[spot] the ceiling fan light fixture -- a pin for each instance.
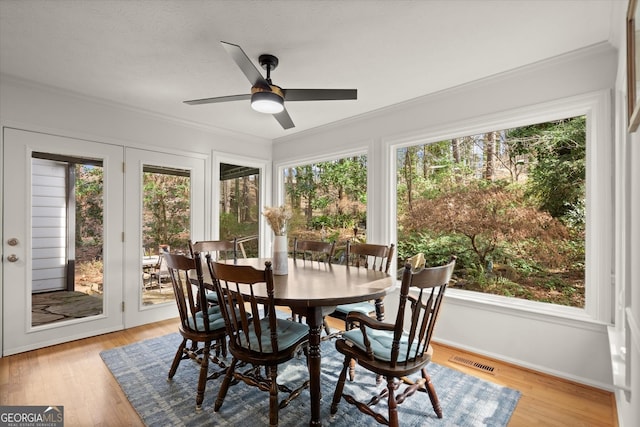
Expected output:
(267, 102)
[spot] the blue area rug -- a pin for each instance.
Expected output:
(141, 370)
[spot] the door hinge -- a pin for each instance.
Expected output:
(123, 236)
(123, 306)
(124, 168)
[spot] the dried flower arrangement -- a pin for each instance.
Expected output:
(277, 218)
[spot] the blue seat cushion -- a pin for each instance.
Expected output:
(216, 321)
(212, 297)
(213, 309)
(361, 307)
(289, 333)
(380, 342)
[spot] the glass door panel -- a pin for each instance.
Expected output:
(240, 207)
(166, 219)
(167, 194)
(67, 238)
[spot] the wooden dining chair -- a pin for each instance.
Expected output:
(393, 350)
(260, 341)
(372, 256)
(219, 250)
(204, 328)
(313, 251)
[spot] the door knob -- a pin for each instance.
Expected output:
(12, 241)
(12, 258)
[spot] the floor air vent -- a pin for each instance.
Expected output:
(473, 364)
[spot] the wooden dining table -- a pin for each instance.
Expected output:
(309, 286)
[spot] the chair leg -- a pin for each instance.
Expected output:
(177, 358)
(352, 369)
(224, 387)
(431, 391)
(337, 395)
(273, 396)
(326, 326)
(393, 405)
(352, 365)
(202, 379)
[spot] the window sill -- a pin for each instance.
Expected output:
(523, 308)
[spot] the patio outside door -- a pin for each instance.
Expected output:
(56, 193)
(166, 206)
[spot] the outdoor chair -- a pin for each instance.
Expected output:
(313, 251)
(393, 350)
(261, 342)
(205, 327)
(158, 273)
(151, 273)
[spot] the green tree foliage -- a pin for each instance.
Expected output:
(327, 195)
(89, 204)
(557, 176)
(303, 188)
(167, 205)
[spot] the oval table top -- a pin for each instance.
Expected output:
(314, 284)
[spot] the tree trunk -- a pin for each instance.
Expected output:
(408, 177)
(489, 153)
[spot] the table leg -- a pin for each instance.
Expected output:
(314, 320)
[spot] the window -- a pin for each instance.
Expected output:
(509, 203)
(593, 208)
(328, 199)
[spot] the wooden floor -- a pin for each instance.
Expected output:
(74, 376)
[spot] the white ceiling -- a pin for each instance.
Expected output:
(154, 54)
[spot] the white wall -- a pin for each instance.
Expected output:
(625, 334)
(570, 348)
(45, 109)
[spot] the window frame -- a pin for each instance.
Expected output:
(599, 245)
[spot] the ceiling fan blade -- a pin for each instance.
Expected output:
(284, 119)
(245, 64)
(218, 99)
(319, 94)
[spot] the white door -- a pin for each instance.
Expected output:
(149, 295)
(26, 323)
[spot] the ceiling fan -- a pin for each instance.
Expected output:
(269, 98)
